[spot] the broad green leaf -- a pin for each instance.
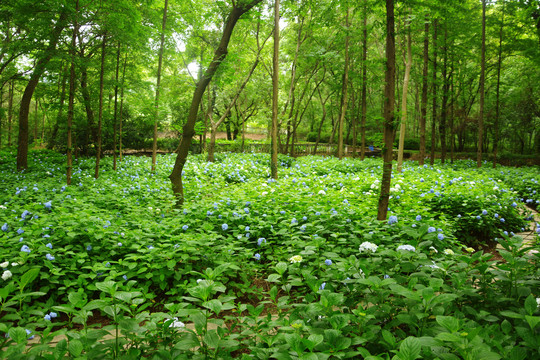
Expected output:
(409, 349)
(75, 347)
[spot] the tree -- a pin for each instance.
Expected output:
(43, 60)
(389, 116)
(275, 93)
(71, 97)
(482, 91)
(158, 81)
(234, 15)
(423, 105)
(404, 98)
(344, 88)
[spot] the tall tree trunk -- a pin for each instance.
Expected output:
(52, 141)
(406, 77)
(115, 115)
(120, 118)
(344, 89)
(389, 117)
(100, 109)
(1, 115)
(323, 104)
(434, 91)
(188, 130)
(482, 91)
(158, 81)
(91, 127)
(275, 93)
(36, 119)
(22, 149)
(10, 110)
(423, 106)
(364, 82)
(497, 91)
(71, 97)
(444, 104)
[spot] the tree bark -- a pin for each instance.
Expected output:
(482, 90)
(405, 89)
(121, 109)
(115, 115)
(10, 110)
(364, 83)
(344, 89)
(434, 91)
(100, 109)
(423, 106)
(22, 149)
(389, 117)
(275, 94)
(158, 82)
(444, 104)
(188, 129)
(497, 91)
(71, 97)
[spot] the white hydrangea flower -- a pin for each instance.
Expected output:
(322, 192)
(6, 275)
(406, 248)
(4, 264)
(176, 323)
(538, 302)
(367, 246)
(448, 251)
(435, 250)
(295, 259)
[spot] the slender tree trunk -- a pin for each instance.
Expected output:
(482, 91)
(120, 117)
(100, 110)
(10, 110)
(323, 104)
(497, 91)
(52, 141)
(1, 115)
(423, 106)
(188, 130)
(22, 149)
(444, 104)
(344, 89)
(115, 115)
(434, 91)
(275, 93)
(36, 119)
(364, 83)
(389, 117)
(71, 97)
(91, 126)
(156, 103)
(406, 77)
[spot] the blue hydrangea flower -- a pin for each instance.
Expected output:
(49, 245)
(25, 249)
(328, 262)
(260, 241)
(514, 204)
(502, 220)
(20, 231)
(185, 227)
(387, 276)
(5, 227)
(246, 210)
(48, 205)
(257, 256)
(440, 236)
(418, 217)
(322, 286)
(484, 212)
(53, 314)
(224, 227)
(496, 215)
(294, 221)
(89, 248)
(392, 219)
(49, 257)
(431, 229)
(25, 214)
(28, 332)
(124, 277)
(47, 317)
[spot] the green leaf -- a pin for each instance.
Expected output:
(211, 339)
(532, 320)
(29, 276)
(530, 304)
(409, 349)
(389, 338)
(281, 267)
(450, 323)
(511, 314)
(214, 305)
(75, 347)
(108, 287)
(273, 278)
(189, 341)
(18, 335)
(60, 349)
(76, 299)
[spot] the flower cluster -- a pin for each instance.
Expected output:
(366, 246)
(295, 259)
(50, 316)
(406, 248)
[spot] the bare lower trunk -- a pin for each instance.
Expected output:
(389, 118)
(275, 94)
(100, 116)
(434, 90)
(423, 106)
(482, 91)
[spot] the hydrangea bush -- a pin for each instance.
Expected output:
(257, 268)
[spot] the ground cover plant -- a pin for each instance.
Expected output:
(257, 268)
